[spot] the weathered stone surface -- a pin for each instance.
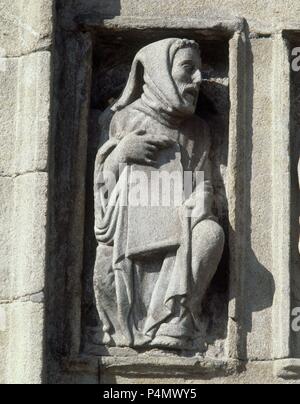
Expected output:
(256, 373)
(26, 26)
(33, 113)
(287, 369)
(28, 244)
(167, 369)
(259, 282)
(6, 211)
(4, 341)
(8, 95)
(23, 246)
(253, 11)
(285, 203)
(25, 113)
(255, 171)
(67, 200)
(283, 12)
(25, 349)
(25, 103)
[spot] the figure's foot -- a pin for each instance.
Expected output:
(167, 342)
(141, 340)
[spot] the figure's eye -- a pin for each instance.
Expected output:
(188, 68)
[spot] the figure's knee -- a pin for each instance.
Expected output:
(207, 248)
(210, 235)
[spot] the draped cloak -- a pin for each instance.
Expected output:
(140, 298)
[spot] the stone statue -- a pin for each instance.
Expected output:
(154, 264)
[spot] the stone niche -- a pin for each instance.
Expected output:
(112, 58)
(245, 316)
(100, 71)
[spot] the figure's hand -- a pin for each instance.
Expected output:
(141, 148)
(199, 206)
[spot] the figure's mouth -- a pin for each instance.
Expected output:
(191, 94)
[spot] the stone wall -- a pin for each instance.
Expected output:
(25, 116)
(52, 61)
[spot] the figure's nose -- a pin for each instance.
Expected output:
(197, 78)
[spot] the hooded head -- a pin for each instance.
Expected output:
(166, 77)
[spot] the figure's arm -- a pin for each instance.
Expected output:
(119, 151)
(138, 148)
(200, 203)
(208, 188)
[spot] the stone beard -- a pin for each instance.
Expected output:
(155, 264)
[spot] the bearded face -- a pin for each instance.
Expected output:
(187, 76)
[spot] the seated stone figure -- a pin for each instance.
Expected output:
(154, 266)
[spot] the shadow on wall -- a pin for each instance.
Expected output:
(75, 11)
(295, 197)
(106, 8)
